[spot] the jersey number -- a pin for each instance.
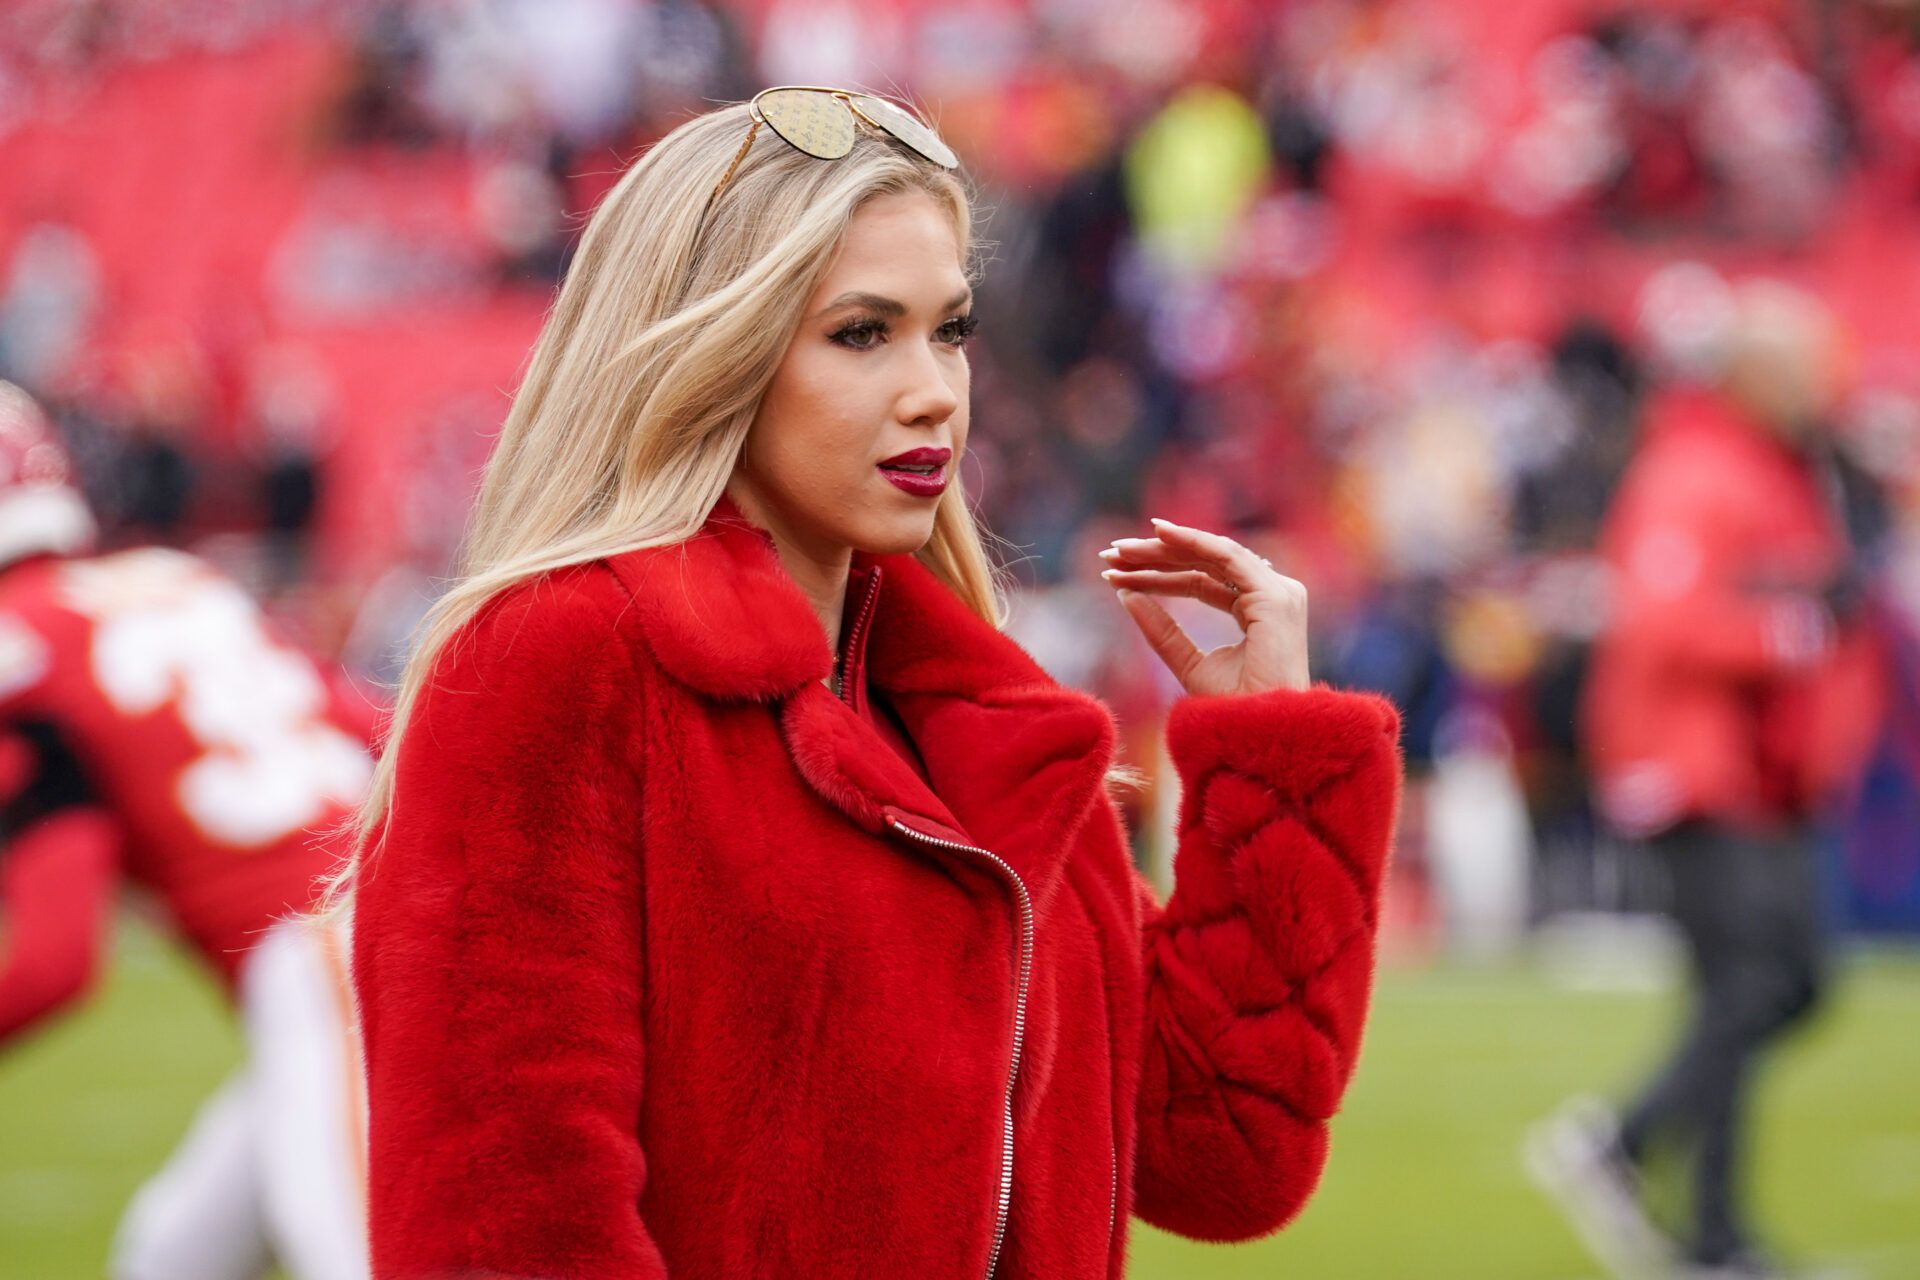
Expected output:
(168, 632)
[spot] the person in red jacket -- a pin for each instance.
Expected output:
(1730, 693)
(154, 733)
(738, 899)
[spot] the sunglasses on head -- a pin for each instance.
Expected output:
(821, 122)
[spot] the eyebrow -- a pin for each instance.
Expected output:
(886, 306)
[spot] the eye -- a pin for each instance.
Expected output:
(861, 335)
(959, 330)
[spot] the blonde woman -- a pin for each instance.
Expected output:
(735, 898)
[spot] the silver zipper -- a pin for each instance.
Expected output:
(1113, 1192)
(861, 617)
(1025, 908)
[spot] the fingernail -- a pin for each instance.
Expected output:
(1158, 520)
(1109, 573)
(1110, 552)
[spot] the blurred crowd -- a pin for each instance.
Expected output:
(1381, 287)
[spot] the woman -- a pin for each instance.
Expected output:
(738, 899)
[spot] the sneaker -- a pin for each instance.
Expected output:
(1752, 1264)
(1574, 1155)
(1745, 1266)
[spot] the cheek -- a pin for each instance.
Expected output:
(814, 432)
(963, 415)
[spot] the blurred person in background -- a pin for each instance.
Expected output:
(1732, 691)
(153, 732)
(735, 897)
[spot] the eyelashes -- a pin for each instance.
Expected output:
(866, 334)
(964, 327)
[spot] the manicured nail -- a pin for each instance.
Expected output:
(1158, 520)
(1109, 574)
(1110, 552)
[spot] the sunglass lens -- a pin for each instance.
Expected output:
(908, 127)
(817, 123)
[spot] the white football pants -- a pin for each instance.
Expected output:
(273, 1169)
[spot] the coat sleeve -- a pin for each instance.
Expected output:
(498, 960)
(56, 902)
(1259, 968)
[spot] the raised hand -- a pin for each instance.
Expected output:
(1270, 607)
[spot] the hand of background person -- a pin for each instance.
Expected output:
(1270, 607)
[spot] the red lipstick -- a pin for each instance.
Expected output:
(921, 472)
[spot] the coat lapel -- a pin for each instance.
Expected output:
(1016, 761)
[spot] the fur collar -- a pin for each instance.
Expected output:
(1016, 760)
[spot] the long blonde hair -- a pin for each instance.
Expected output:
(649, 369)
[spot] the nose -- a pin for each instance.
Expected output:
(930, 397)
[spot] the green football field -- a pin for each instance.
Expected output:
(1423, 1183)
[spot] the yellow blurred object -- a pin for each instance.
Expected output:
(1488, 636)
(1195, 169)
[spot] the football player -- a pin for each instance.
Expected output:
(155, 732)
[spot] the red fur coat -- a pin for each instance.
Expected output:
(670, 966)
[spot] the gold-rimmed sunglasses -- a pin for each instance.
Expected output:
(821, 122)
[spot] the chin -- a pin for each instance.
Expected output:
(895, 537)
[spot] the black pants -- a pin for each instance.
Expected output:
(1750, 909)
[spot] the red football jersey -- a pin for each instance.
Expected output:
(219, 748)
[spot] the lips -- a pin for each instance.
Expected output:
(921, 472)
